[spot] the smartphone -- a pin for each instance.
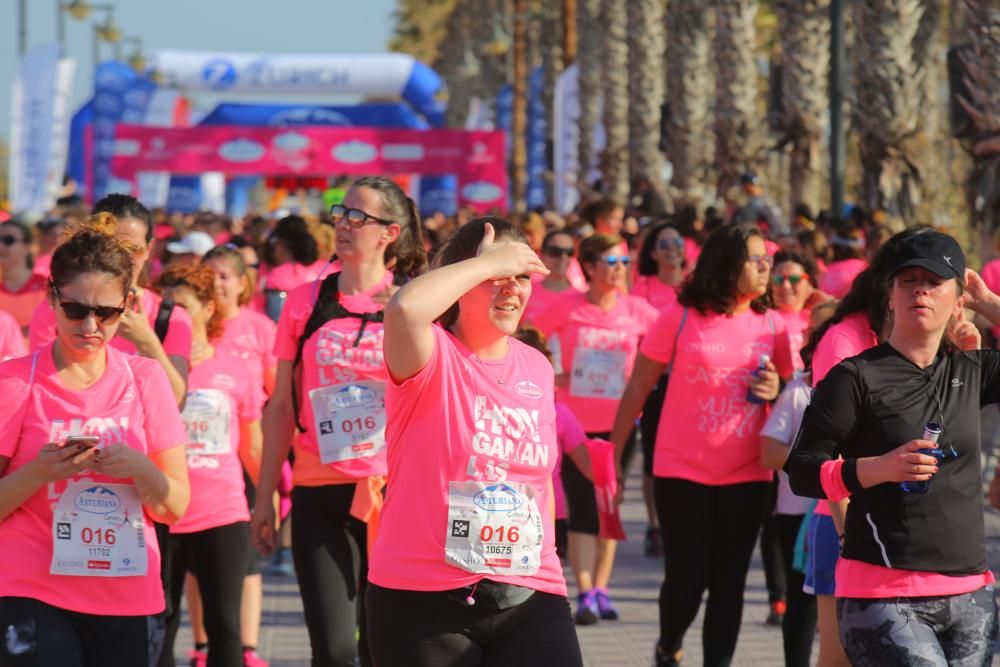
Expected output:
(86, 441)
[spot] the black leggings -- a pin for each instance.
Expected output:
(217, 557)
(40, 635)
(649, 422)
(770, 551)
(581, 499)
(432, 629)
(329, 548)
(709, 534)
(799, 625)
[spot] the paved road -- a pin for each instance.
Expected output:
(625, 643)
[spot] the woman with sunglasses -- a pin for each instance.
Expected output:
(913, 583)
(133, 224)
(599, 333)
(21, 289)
(710, 488)
(336, 397)
(91, 454)
(794, 294)
(558, 250)
(472, 428)
(222, 418)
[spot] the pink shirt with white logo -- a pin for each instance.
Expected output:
(250, 336)
(655, 291)
(333, 355)
(176, 343)
(11, 339)
(599, 342)
(710, 432)
(840, 276)
(570, 436)
(222, 386)
(125, 405)
(454, 422)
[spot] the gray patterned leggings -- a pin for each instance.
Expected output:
(947, 630)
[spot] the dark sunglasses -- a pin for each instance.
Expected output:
(555, 251)
(792, 280)
(612, 260)
(9, 240)
(79, 311)
(666, 244)
(356, 218)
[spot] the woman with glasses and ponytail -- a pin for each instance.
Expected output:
(599, 333)
(329, 404)
(90, 455)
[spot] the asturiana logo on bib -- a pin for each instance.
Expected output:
(528, 389)
(497, 498)
(353, 396)
(98, 500)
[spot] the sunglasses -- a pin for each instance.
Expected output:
(77, 312)
(792, 280)
(9, 240)
(556, 251)
(355, 217)
(613, 260)
(666, 244)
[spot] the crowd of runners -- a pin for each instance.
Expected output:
(430, 420)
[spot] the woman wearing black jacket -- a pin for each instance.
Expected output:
(913, 583)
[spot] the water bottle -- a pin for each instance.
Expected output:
(761, 366)
(932, 432)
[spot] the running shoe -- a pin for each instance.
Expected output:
(777, 613)
(198, 658)
(652, 546)
(251, 659)
(587, 612)
(604, 606)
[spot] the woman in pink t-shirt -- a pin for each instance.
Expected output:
(11, 339)
(331, 383)
(222, 418)
(465, 568)
(558, 252)
(90, 455)
(21, 289)
(710, 488)
(292, 257)
(848, 246)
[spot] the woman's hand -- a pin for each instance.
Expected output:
(263, 526)
(765, 383)
(903, 464)
(56, 461)
(119, 460)
(134, 326)
(508, 258)
(977, 294)
(964, 333)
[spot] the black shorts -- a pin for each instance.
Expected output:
(580, 499)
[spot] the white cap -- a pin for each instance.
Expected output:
(197, 243)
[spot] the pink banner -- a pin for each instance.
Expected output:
(475, 157)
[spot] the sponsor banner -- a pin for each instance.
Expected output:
(295, 115)
(111, 84)
(537, 160)
(566, 138)
(475, 158)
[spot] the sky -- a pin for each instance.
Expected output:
(256, 26)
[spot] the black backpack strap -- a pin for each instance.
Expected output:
(162, 323)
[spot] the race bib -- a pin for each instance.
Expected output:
(493, 528)
(349, 420)
(597, 373)
(98, 530)
(207, 414)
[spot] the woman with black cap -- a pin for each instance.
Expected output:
(913, 583)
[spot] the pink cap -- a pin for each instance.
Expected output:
(772, 247)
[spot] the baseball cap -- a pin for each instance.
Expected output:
(197, 243)
(938, 253)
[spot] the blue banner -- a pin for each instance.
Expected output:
(184, 195)
(76, 164)
(112, 81)
(535, 142)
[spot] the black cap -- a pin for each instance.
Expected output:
(938, 253)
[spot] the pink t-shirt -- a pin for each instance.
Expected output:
(250, 335)
(453, 422)
(332, 356)
(21, 304)
(796, 325)
(125, 405)
(543, 300)
(598, 349)
(11, 339)
(286, 277)
(712, 436)
(991, 276)
(176, 343)
(223, 392)
(840, 276)
(692, 251)
(570, 436)
(655, 291)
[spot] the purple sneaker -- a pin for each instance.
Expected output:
(604, 606)
(587, 612)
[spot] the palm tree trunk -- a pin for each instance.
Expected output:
(614, 160)
(647, 32)
(589, 75)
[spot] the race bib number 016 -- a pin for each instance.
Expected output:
(349, 420)
(98, 530)
(493, 528)
(206, 416)
(598, 373)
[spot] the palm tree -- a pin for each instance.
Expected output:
(647, 36)
(588, 61)
(688, 97)
(614, 160)
(737, 130)
(805, 57)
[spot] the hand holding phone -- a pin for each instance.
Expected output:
(83, 441)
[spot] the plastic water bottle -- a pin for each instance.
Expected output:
(932, 432)
(762, 361)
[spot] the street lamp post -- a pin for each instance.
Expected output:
(838, 151)
(519, 157)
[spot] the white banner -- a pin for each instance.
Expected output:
(153, 186)
(566, 139)
(62, 115)
(32, 115)
(381, 74)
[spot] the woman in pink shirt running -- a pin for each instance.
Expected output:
(92, 451)
(558, 250)
(465, 570)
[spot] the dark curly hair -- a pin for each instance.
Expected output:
(294, 232)
(647, 263)
(711, 287)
